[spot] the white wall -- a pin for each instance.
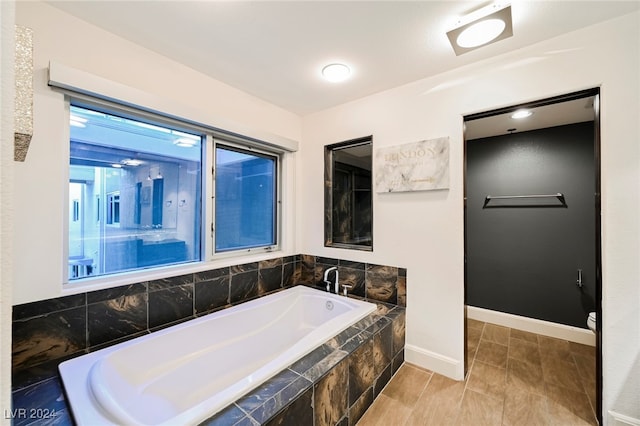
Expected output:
(40, 181)
(7, 33)
(423, 231)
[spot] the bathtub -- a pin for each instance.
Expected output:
(186, 373)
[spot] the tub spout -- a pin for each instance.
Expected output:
(326, 279)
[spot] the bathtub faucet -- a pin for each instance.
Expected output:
(326, 280)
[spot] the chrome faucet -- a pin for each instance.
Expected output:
(326, 280)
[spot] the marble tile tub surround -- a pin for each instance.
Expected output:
(332, 385)
(372, 282)
(60, 328)
(48, 332)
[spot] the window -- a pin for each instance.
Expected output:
(149, 178)
(246, 199)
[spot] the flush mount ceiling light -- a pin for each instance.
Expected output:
(336, 73)
(484, 26)
(521, 113)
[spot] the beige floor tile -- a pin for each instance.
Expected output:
(562, 399)
(439, 404)
(407, 385)
(487, 379)
(524, 408)
(492, 353)
(561, 373)
(385, 412)
(474, 324)
(554, 348)
(480, 410)
(524, 335)
(586, 366)
(496, 334)
(525, 376)
(584, 350)
(523, 350)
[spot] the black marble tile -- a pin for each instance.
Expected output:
(397, 362)
(164, 283)
(288, 259)
(307, 266)
(402, 272)
(356, 341)
(342, 337)
(381, 381)
(39, 373)
(331, 396)
(212, 294)
(381, 282)
(269, 279)
(243, 286)
(231, 415)
(382, 348)
(344, 421)
(116, 341)
(246, 267)
(44, 307)
(354, 278)
(211, 274)
(398, 326)
(281, 400)
(325, 365)
(298, 413)
(402, 291)
(311, 359)
(270, 263)
(170, 305)
(288, 270)
(116, 292)
(39, 404)
(361, 371)
(116, 318)
(327, 261)
(352, 265)
(357, 410)
(267, 390)
(44, 338)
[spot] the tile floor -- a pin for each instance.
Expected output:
(515, 378)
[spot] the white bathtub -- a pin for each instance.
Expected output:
(186, 373)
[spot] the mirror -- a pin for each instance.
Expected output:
(347, 201)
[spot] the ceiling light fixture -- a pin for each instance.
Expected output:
(521, 113)
(336, 73)
(484, 26)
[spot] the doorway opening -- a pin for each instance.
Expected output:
(532, 237)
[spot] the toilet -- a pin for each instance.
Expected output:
(591, 321)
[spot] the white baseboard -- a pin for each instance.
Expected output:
(621, 419)
(438, 363)
(546, 328)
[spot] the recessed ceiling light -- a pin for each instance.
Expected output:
(522, 113)
(336, 73)
(117, 166)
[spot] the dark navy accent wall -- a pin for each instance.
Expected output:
(523, 254)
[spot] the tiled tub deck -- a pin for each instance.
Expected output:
(332, 385)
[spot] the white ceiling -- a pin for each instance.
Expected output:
(275, 50)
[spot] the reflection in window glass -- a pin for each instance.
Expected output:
(245, 197)
(149, 179)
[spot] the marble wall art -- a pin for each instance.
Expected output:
(417, 166)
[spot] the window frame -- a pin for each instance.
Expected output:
(245, 145)
(210, 137)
